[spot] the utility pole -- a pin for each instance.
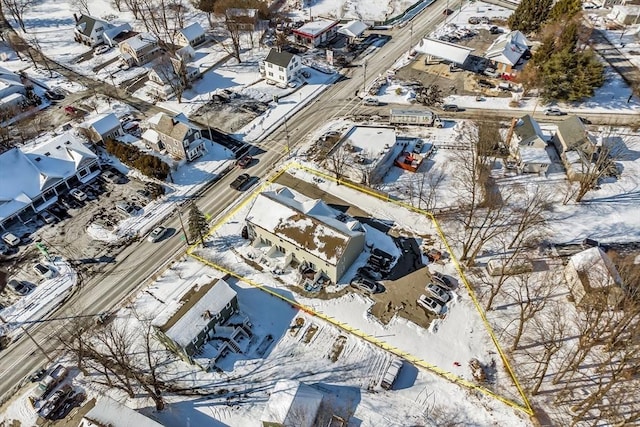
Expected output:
(286, 135)
(32, 339)
(186, 237)
(411, 37)
(364, 80)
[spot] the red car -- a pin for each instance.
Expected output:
(244, 161)
(70, 110)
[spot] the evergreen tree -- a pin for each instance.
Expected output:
(564, 10)
(198, 225)
(529, 15)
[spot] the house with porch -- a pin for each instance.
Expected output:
(575, 145)
(191, 35)
(528, 146)
(90, 30)
(200, 315)
(291, 229)
(316, 32)
(32, 179)
(168, 76)
(139, 49)
(506, 51)
(176, 135)
(280, 67)
(13, 91)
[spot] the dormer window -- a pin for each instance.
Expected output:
(47, 153)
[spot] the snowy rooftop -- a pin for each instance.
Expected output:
(595, 268)
(353, 28)
(24, 175)
(141, 41)
(534, 155)
(307, 223)
(192, 31)
(292, 404)
(444, 50)
(508, 48)
(108, 412)
(315, 28)
(105, 123)
(182, 319)
(371, 139)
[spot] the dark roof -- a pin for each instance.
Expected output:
(85, 24)
(573, 132)
(281, 59)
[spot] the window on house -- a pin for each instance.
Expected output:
(194, 341)
(281, 68)
(270, 74)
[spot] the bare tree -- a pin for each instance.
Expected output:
(17, 9)
(82, 6)
(550, 334)
(35, 44)
(427, 185)
(531, 296)
(338, 161)
(173, 72)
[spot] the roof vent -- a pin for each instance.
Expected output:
(37, 159)
(58, 147)
(47, 153)
(67, 142)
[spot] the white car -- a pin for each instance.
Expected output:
(11, 239)
(102, 49)
(48, 217)
(157, 234)
(554, 111)
(438, 292)
(44, 271)
(78, 195)
(430, 304)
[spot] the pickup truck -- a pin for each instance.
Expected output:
(49, 382)
(240, 181)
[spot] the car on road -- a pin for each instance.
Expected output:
(157, 234)
(241, 181)
(450, 107)
(44, 271)
(585, 120)
(442, 280)
(429, 304)
(78, 195)
(47, 217)
(20, 287)
(70, 109)
(447, 12)
(366, 285)
(244, 162)
(11, 239)
(53, 96)
(554, 111)
(440, 293)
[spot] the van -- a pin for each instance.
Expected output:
(10, 239)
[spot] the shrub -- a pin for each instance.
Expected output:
(147, 164)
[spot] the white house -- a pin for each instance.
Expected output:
(316, 32)
(191, 35)
(90, 30)
(108, 412)
(12, 90)
(139, 49)
(591, 272)
(506, 51)
(280, 67)
(106, 126)
(176, 135)
(292, 404)
(32, 180)
(167, 76)
(528, 146)
(625, 14)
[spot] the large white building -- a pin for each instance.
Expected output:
(33, 179)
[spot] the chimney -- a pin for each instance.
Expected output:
(75, 17)
(207, 315)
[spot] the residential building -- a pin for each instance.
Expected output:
(12, 92)
(625, 14)
(292, 404)
(192, 35)
(506, 51)
(109, 412)
(353, 30)
(139, 49)
(280, 67)
(167, 77)
(244, 19)
(575, 145)
(592, 275)
(90, 30)
(293, 229)
(105, 127)
(186, 324)
(175, 135)
(316, 32)
(33, 179)
(528, 146)
(439, 50)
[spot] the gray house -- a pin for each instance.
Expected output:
(574, 145)
(305, 233)
(90, 30)
(528, 146)
(188, 323)
(105, 127)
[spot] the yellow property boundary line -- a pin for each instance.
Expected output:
(524, 407)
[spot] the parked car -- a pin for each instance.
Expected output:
(485, 84)
(70, 109)
(418, 147)
(474, 20)
(429, 304)
(11, 239)
(332, 134)
(47, 217)
(37, 375)
(20, 287)
(554, 111)
(450, 107)
(53, 96)
(103, 317)
(56, 400)
(157, 234)
(585, 120)
(440, 293)
(78, 195)
(49, 382)
(112, 177)
(495, 30)
(442, 280)
(371, 101)
(244, 162)
(240, 181)
(102, 49)
(365, 285)
(491, 72)
(369, 273)
(44, 271)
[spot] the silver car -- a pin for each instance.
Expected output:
(157, 234)
(430, 304)
(438, 292)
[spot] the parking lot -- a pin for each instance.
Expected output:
(61, 229)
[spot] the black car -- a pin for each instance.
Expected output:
(240, 181)
(585, 120)
(369, 272)
(450, 107)
(485, 83)
(53, 96)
